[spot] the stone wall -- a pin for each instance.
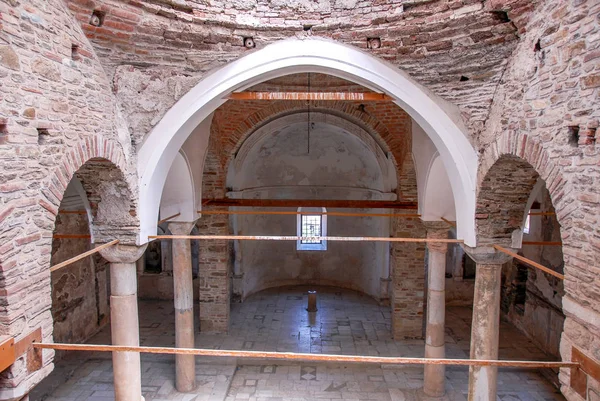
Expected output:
(234, 122)
(459, 289)
(56, 112)
(338, 166)
(538, 70)
(545, 113)
(155, 278)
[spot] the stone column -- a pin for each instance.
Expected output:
(483, 380)
(139, 264)
(124, 323)
(185, 365)
(435, 344)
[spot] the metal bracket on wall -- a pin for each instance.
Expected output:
(579, 375)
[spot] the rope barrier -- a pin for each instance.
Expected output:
(296, 238)
(287, 356)
(247, 212)
(530, 262)
(83, 255)
(451, 223)
(168, 218)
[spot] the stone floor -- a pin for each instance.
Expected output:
(276, 320)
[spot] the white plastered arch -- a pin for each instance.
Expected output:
(439, 119)
(178, 195)
(436, 197)
(437, 200)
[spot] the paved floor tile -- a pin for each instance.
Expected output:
(346, 323)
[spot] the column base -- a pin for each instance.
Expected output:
(185, 365)
(422, 396)
(434, 380)
(434, 376)
(127, 376)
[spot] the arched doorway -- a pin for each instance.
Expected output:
(438, 120)
(515, 209)
(94, 208)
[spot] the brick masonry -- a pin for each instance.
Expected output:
(57, 112)
(436, 42)
(548, 90)
(215, 256)
(79, 291)
(408, 279)
(528, 98)
(234, 122)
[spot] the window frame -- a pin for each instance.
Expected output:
(311, 211)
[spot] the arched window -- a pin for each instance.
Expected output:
(311, 222)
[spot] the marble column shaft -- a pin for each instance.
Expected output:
(124, 323)
(435, 346)
(185, 365)
(483, 380)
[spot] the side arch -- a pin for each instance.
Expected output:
(440, 120)
(522, 160)
(36, 239)
(101, 152)
(179, 193)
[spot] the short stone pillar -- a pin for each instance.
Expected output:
(483, 380)
(124, 324)
(312, 301)
(183, 290)
(435, 345)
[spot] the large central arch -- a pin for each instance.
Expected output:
(439, 119)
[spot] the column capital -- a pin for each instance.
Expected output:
(437, 230)
(181, 227)
(123, 253)
(487, 255)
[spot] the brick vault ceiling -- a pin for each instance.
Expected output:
(457, 48)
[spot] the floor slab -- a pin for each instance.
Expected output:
(347, 323)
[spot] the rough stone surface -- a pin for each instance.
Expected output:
(436, 42)
(339, 165)
(56, 115)
(548, 90)
(523, 73)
